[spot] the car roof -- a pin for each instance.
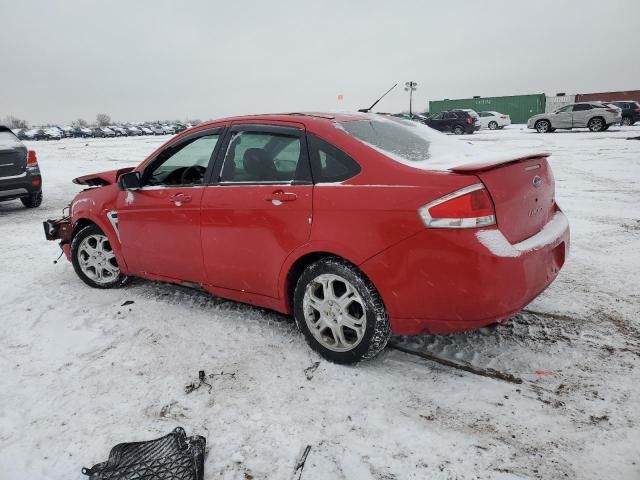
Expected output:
(299, 117)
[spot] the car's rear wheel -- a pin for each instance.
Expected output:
(340, 312)
(596, 124)
(32, 201)
(94, 260)
(543, 126)
(627, 121)
(458, 130)
(493, 125)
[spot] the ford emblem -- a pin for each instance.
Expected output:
(537, 181)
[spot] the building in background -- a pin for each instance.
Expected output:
(609, 96)
(559, 101)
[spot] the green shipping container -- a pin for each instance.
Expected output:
(518, 107)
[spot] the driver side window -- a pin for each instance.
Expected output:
(185, 164)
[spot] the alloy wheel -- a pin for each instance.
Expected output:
(334, 312)
(596, 124)
(97, 259)
(542, 126)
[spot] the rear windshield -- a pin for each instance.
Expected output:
(391, 136)
(416, 145)
(410, 143)
(7, 138)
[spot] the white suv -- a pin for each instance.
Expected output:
(595, 116)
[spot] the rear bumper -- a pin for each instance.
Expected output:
(443, 281)
(16, 187)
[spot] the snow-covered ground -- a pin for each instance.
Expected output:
(79, 372)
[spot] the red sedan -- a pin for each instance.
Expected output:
(361, 226)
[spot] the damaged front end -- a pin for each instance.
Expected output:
(59, 229)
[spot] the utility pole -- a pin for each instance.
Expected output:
(410, 87)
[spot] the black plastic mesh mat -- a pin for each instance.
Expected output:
(172, 457)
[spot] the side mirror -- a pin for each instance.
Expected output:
(130, 181)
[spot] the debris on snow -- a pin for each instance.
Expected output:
(309, 371)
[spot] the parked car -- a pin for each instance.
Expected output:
(429, 237)
(103, 132)
(119, 131)
(168, 129)
(134, 131)
(82, 132)
(67, 132)
(19, 172)
(458, 121)
(146, 131)
(630, 112)
(595, 116)
(34, 134)
(494, 120)
(52, 134)
(158, 130)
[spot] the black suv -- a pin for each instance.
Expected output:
(19, 172)
(630, 111)
(458, 121)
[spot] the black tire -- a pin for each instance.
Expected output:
(606, 127)
(32, 201)
(493, 125)
(543, 126)
(85, 232)
(596, 124)
(376, 330)
(458, 130)
(627, 121)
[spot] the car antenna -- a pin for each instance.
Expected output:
(367, 110)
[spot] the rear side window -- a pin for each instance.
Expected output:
(451, 116)
(328, 163)
(261, 157)
(581, 107)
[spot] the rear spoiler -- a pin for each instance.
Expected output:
(488, 164)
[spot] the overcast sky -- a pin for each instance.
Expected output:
(153, 59)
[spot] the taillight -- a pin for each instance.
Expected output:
(468, 207)
(612, 110)
(469, 120)
(503, 117)
(32, 158)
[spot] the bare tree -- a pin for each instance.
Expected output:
(15, 122)
(102, 119)
(80, 123)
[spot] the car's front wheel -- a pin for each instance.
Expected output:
(543, 126)
(32, 201)
(493, 125)
(94, 260)
(340, 312)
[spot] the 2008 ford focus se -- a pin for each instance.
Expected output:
(361, 226)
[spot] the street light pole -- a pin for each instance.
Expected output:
(410, 87)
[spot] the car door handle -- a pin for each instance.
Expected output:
(179, 198)
(280, 196)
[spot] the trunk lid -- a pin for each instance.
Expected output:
(13, 155)
(523, 193)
